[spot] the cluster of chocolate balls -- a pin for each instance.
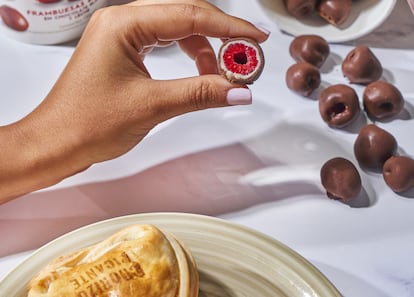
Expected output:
(335, 12)
(375, 149)
(241, 60)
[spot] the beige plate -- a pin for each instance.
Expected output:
(366, 15)
(233, 260)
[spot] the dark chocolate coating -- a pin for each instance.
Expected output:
(382, 100)
(300, 8)
(303, 78)
(309, 48)
(374, 146)
(341, 179)
(335, 12)
(398, 173)
(339, 105)
(361, 66)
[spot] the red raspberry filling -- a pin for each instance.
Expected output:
(240, 58)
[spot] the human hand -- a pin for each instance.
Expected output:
(105, 101)
(117, 103)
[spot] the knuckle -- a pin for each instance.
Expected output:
(190, 11)
(102, 17)
(203, 96)
(101, 14)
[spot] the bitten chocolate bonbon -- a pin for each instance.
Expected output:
(241, 60)
(303, 78)
(382, 100)
(336, 12)
(361, 66)
(300, 8)
(398, 173)
(309, 48)
(374, 146)
(339, 105)
(341, 179)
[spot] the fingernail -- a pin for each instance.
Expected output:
(261, 28)
(239, 96)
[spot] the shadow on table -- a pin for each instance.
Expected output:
(204, 182)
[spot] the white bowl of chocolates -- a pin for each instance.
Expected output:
(335, 20)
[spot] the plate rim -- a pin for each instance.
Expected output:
(314, 277)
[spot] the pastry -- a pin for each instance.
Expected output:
(138, 261)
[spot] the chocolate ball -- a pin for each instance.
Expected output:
(335, 12)
(300, 8)
(361, 66)
(382, 100)
(309, 48)
(341, 179)
(398, 173)
(303, 78)
(374, 146)
(339, 105)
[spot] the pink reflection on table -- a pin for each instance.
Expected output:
(205, 182)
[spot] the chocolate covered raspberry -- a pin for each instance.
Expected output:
(241, 60)
(313, 49)
(374, 146)
(303, 78)
(341, 179)
(300, 8)
(339, 105)
(361, 66)
(382, 100)
(336, 12)
(398, 173)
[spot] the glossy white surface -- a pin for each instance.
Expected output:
(193, 163)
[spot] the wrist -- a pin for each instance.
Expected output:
(35, 155)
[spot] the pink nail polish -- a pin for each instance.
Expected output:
(239, 96)
(261, 28)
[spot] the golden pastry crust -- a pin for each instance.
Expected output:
(136, 261)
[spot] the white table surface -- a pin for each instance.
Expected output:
(365, 249)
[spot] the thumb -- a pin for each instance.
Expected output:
(179, 96)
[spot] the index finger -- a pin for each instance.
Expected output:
(200, 3)
(169, 22)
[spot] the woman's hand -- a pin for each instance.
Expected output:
(105, 101)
